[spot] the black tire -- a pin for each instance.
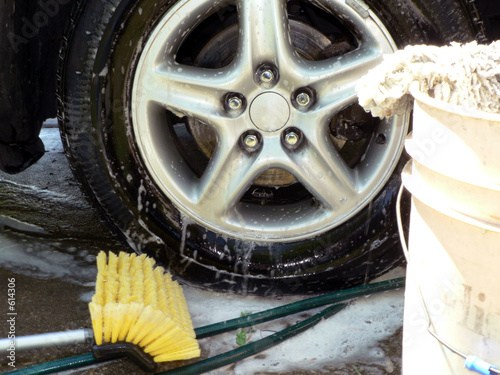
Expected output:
(97, 70)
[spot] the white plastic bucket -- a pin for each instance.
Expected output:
(454, 238)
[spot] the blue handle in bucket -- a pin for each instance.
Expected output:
(476, 364)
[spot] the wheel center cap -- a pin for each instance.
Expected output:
(269, 111)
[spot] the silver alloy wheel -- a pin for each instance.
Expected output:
(214, 198)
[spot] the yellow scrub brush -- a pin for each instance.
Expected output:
(137, 311)
(137, 303)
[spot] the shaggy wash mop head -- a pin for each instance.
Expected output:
(138, 303)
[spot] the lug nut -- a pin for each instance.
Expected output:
(251, 141)
(303, 99)
(267, 76)
(292, 138)
(235, 103)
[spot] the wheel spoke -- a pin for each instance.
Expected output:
(335, 83)
(339, 72)
(324, 173)
(227, 177)
(265, 32)
(333, 103)
(183, 93)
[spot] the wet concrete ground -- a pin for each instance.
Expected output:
(50, 235)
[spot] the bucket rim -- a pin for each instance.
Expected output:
(423, 97)
(425, 194)
(477, 177)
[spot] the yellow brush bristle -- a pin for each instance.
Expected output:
(138, 303)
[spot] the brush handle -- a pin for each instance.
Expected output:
(44, 340)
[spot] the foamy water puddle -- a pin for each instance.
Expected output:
(45, 258)
(352, 336)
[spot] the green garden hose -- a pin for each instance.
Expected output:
(248, 350)
(299, 306)
(78, 361)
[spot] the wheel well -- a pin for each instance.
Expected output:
(34, 32)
